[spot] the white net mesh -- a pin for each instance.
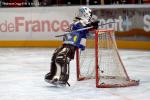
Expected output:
(111, 68)
(87, 63)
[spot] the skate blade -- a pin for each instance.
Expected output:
(56, 83)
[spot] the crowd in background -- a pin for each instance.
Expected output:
(32, 3)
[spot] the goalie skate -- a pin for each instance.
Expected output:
(57, 83)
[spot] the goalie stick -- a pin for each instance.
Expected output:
(86, 28)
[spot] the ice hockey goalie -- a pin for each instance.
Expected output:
(59, 68)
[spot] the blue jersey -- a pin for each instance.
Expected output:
(75, 38)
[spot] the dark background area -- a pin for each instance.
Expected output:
(32, 3)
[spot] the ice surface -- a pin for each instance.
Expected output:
(22, 73)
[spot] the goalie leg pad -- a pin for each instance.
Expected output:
(53, 69)
(59, 70)
(52, 72)
(62, 63)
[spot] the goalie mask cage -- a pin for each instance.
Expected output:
(101, 61)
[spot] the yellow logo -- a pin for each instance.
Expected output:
(75, 38)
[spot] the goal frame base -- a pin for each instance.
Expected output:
(127, 84)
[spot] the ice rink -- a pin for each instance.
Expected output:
(22, 73)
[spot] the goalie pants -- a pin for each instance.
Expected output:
(60, 62)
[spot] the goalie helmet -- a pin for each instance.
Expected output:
(84, 13)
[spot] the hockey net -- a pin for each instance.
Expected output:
(101, 61)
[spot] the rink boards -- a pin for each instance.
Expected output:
(37, 27)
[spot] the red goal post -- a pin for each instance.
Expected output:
(102, 62)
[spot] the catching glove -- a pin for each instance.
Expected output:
(95, 24)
